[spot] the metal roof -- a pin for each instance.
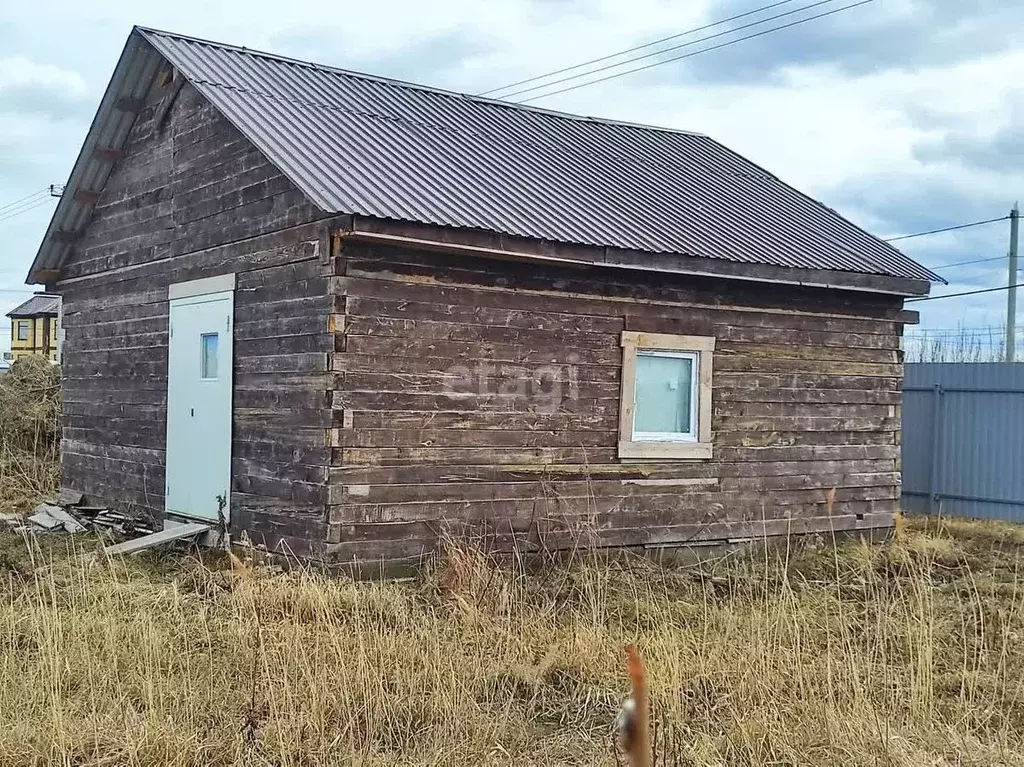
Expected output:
(359, 144)
(38, 304)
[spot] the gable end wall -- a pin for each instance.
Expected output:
(192, 199)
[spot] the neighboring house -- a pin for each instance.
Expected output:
(345, 315)
(34, 328)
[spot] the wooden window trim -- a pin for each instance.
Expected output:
(704, 347)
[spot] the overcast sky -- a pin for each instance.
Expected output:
(904, 115)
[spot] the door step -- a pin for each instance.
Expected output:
(168, 535)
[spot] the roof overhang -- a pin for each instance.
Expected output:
(489, 245)
(103, 146)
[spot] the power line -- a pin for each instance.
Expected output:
(666, 50)
(984, 342)
(695, 53)
(34, 196)
(965, 293)
(950, 333)
(25, 209)
(975, 261)
(947, 229)
(956, 329)
(636, 48)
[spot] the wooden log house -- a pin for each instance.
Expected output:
(344, 315)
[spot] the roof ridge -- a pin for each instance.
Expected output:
(376, 115)
(419, 86)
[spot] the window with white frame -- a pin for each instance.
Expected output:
(665, 407)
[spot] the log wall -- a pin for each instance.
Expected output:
(481, 397)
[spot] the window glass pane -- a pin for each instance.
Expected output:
(209, 363)
(663, 391)
(22, 331)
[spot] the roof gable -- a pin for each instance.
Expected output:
(36, 306)
(380, 148)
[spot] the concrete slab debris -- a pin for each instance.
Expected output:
(45, 521)
(176, 533)
(45, 512)
(71, 525)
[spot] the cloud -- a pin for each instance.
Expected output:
(30, 88)
(910, 200)
(15, 164)
(429, 59)
(993, 148)
(919, 197)
(904, 35)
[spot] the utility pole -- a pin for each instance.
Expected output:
(1011, 293)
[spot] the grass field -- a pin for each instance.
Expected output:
(906, 653)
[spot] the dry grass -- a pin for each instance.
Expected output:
(29, 429)
(905, 654)
(911, 653)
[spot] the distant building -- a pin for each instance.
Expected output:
(35, 328)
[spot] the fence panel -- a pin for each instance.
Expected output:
(963, 439)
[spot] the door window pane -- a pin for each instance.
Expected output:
(663, 405)
(209, 355)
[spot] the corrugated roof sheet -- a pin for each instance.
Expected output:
(358, 144)
(36, 305)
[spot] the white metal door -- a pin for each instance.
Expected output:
(199, 375)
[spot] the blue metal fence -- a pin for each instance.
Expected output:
(963, 439)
